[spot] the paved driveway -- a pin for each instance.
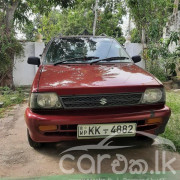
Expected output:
(18, 159)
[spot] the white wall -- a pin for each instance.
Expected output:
(173, 25)
(135, 49)
(23, 73)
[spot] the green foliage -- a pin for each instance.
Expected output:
(172, 131)
(45, 6)
(5, 88)
(73, 21)
(173, 38)
(135, 36)
(26, 8)
(9, 98)
(110, 18)
(163, 62)
(150, 15)
(29, 31)
(16, 12)
(158, 71)
(68, 22)
(8, 47)
(121, 39)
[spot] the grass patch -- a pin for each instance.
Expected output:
(9, 98)
(172, 131)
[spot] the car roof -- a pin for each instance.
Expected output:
(82, 36)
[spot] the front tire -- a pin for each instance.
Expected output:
(146, 141)
(32, 143)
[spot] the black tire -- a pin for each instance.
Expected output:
(32, 143)
(146, 141)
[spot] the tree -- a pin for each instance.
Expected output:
(150, 17)
(95, 17)
(176, 5)
(73, 21)
(110, 18)
(8, 44)
(135, 36)
(13, 12)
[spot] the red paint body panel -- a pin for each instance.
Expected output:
(35, 84)
(33, 120)
(93, 79)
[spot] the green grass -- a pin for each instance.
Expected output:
(162, 175)
(6, 96)
(172, 131)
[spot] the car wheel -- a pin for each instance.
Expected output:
(32, 143)
(145, 141)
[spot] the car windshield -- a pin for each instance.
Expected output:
(84, 50)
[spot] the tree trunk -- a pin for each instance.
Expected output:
(143, 37)
(143, 41)
(176, 4)
(95, 18)
(6, 79)
(10, 14)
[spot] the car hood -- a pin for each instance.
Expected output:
(96, 78)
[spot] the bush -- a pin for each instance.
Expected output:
(9, 46)
(135, 36)
(163, 62)
(172, 131)
(157, 70)
(9, 98)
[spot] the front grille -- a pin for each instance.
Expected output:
(101, 100)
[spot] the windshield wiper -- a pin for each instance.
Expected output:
(77, 59)
(109, 59)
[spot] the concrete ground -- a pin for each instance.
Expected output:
(18, 159)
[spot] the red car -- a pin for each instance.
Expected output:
(89, 87)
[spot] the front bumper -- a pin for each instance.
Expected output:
(67, 124)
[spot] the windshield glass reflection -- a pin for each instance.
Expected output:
(75, 47)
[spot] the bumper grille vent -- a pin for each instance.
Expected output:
(101, 100)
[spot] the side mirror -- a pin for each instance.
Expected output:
(136, 59)
(34, 61)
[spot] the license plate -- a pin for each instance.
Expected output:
(89, 131)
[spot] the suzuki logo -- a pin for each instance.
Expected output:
(103, 101)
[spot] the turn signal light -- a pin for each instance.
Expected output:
(154, 120)
(48, 128)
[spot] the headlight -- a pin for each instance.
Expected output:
(153, 96)
(44, 101)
